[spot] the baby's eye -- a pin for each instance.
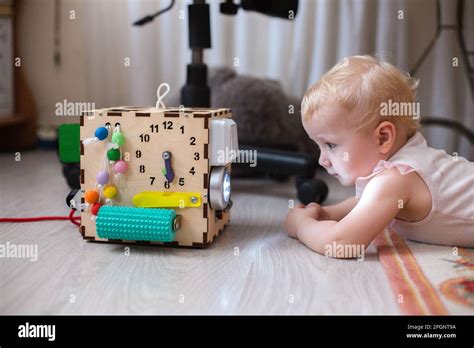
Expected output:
(331, 146)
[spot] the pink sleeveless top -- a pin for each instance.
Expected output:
(451, 183)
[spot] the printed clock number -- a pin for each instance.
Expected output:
(168, 125)
(144, 138)
(154, 128)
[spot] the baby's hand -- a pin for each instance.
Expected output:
(300, 212)
(317, 210)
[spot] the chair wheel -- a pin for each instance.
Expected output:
(312, 190)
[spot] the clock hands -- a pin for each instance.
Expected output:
(167, 171)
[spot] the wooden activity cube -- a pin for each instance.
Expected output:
(149, 132)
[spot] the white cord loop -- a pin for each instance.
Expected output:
(160, 96)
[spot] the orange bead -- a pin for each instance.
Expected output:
(91, 196)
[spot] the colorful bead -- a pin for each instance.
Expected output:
(101, 133)
(118, 138)
(113, 154)
(91, 196)
(110, 191)
(121, 167)
(102, 177)
(95, 208)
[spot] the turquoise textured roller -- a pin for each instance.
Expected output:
(130, 223)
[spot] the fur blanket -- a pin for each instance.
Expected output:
(264, 114)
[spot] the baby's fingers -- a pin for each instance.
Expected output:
(314, 210)
(313, 206)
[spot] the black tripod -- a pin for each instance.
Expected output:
(196, 93)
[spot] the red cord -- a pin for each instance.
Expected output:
(73, 218)
(45, 218)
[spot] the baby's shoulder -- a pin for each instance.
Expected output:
(398, 177)
(396, 187)
(408, 186)
(392, 181)
(394, 175)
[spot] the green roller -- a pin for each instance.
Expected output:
(129, 223)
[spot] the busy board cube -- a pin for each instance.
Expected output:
(165, 180)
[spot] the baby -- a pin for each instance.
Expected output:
(363, 116)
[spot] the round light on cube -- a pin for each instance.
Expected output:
(219, 188)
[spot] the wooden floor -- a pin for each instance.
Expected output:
(253, 267)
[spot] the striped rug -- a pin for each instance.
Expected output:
(427, 279)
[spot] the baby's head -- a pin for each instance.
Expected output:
(350, 114)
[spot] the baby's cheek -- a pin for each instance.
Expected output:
(361, 164)
(346, 160)
(352, 165)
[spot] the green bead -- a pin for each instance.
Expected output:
(118, 138)
(113, 154)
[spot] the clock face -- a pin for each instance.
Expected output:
(171, 155)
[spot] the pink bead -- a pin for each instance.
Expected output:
(102, 177)
(120, 167)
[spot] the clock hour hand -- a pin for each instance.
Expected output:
(168, 171)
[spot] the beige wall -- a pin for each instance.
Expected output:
(50, 83)
(314, 46)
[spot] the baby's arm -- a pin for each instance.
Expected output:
(337, 212)
(378, 205)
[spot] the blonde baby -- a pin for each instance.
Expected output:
(363, 116)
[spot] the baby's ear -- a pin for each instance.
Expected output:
(385, 134)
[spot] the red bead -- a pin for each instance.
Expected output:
(95, 208)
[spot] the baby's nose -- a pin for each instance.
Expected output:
(324, 162)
